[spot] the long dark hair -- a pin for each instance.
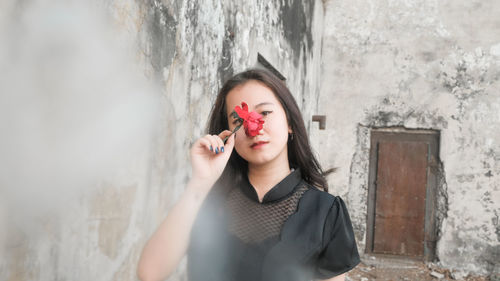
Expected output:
(299, 150)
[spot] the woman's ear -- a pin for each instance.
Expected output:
(290, 129)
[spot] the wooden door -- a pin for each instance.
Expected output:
(399, 193)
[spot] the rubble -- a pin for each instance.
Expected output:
(437, 275)
(392, 269)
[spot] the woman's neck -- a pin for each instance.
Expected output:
(265, 177)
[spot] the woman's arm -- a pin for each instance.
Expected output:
(169, 243)
(340, 277)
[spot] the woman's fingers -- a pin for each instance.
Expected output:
(208, 142)
(215, 143)
(220, 144)
(205, 142)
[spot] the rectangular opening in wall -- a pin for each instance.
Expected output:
(402, 193)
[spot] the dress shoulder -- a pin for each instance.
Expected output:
(339, 252)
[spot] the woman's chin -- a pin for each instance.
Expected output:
(263, 156)
(258, 159)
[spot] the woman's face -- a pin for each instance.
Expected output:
(270, 145)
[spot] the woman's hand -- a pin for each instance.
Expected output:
(169, 243)
(209, 157)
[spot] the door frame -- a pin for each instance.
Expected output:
(431, 137)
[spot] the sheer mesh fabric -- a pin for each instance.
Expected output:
(253, 222)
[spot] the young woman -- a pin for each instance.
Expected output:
(259, 212)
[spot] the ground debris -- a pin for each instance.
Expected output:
(393, 269)
(437, 275)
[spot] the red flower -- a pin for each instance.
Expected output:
(252, 121)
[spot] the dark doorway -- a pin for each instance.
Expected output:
(402, 192)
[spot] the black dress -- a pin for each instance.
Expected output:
(297, 233)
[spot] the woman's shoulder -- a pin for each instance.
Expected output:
(319, 201)
(321, 195)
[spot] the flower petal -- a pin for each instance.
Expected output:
(241, 112)
(255, 115)
(244, 106)
(252, 126)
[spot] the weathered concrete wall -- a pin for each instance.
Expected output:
(186, 49)
(419, 64)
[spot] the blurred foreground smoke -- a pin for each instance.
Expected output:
(74, 107)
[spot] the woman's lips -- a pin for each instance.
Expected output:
(259, 144)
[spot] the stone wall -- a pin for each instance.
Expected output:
(419, 64)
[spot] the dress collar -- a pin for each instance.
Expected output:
(278, 192)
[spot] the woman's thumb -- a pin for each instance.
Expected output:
(228, 138)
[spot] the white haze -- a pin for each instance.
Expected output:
(74, 107)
